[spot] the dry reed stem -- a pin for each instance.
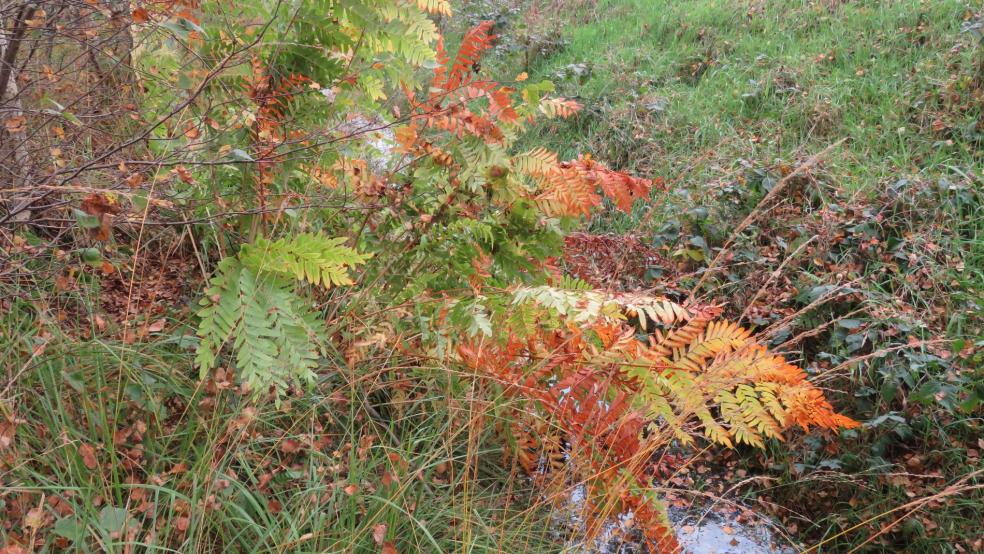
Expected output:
(753, 216)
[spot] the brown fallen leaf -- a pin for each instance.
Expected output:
(88, 454)
(134, 180)
(102, 207)
(7, 431)
(379, 533)
(15, 124)
(289, 446)
(35, 519)
(140, 15)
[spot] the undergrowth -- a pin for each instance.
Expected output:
(307, 278)
(864, 265)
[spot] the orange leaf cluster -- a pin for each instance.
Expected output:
(571, 188)
(454, 85)
(603, 387)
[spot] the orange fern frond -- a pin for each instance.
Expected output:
(477, 40)
(441, 71)
(559, 107)
(461, 121)
(439, 7)
(567, 194)
(570, 188)
(500, 104)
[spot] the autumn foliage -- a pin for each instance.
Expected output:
(372, 202)
(618, 400)
(600, 383)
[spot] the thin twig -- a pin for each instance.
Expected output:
(754, 215)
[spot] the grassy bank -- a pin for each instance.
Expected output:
(866, 265)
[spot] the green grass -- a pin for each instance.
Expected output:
(732, 80)
(119, 447)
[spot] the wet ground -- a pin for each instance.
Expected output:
(721, 531)
(702, 528)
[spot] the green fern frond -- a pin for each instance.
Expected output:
(251, 304)
(220, 313)
(306, 257)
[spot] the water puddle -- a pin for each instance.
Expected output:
(702, 528)
(724, 531)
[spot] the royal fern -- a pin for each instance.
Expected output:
(580, 360)
(252, 305)
(306, 257)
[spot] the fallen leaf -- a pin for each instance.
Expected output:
(140, 15)
(7, 431)
(34, 519)
(379, 533)
(88, 454)
(15, 124)
(157, 326)
(135, 180)
(102, 208)
(290, 446)
(191, 132)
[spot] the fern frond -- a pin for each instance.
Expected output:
(570, 188)
(279, 340)
(220, 313)
(537, 162)
(559, 107)
(251, 304)
(306, 257)
(440, 7)
(477, 40)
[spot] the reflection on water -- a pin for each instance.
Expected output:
(701, 529)
(720, 531)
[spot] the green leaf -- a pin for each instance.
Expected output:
(91, 256)
(112, 519)
(85, 220)
(70, 528)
